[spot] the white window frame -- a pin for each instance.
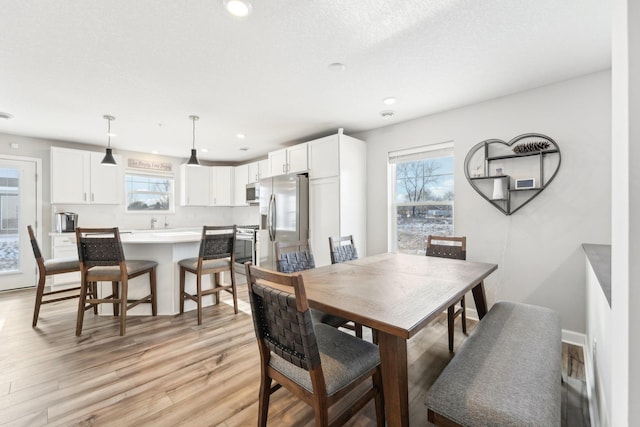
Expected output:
(423, 152)
(171, 192)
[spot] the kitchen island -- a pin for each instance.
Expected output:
(166, 247)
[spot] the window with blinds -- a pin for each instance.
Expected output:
(421, 196)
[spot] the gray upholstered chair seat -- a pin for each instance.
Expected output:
(133, 267)
(62, 264)
(328, 319)
(344, 360)
(210, 264)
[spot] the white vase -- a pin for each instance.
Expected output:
(499, 189)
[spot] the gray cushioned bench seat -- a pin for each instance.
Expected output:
(507, 373)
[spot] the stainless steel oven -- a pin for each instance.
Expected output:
(246, 244)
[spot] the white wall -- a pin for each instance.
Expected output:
(625, 239)
(109, 215)
(538, 249)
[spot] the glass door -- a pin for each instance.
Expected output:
(18, 208)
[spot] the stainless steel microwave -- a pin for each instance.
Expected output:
(253, 193)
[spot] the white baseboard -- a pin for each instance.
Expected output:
(575, 338)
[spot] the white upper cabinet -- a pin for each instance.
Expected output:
(289, 160)
(78, 177)
(221, 177)
(258, 170)
(241, 178)
(324, 158)
(195, 185)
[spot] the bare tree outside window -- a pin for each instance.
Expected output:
(149, 193)
(424, 194)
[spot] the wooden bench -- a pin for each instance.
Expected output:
(507, 373)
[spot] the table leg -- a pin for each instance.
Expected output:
(480, 299)
(393, 360)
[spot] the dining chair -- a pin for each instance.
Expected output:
(50, 267)
(317, 363)
(343, 249)
(296, 256)
(456, 248)
(217, 255)
(102, 260)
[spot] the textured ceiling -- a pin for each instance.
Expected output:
(152, 63)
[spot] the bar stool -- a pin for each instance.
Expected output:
(49, 268)
(217, 254)
(102, 260)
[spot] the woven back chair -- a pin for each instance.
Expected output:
(296, 256)
(216, 255)
(292, 257)
(102, 260)
(342, 249)
(317, 363)
(455, 248)
(48, 268)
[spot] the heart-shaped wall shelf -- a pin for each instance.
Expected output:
(511, 174)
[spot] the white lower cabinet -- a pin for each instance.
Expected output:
(64, 246)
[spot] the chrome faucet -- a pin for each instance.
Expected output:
(153, 222)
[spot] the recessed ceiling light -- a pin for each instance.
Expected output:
(389, 101)
(238, 8)
(241, 135)
(6, 116)
(386, 114)
(204, 150)
(337, 67)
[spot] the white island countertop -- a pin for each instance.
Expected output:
(160, 235)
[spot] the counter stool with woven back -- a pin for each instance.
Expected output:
(102, 260)
(296, 256)
(50, 267)
(317, 363)
(455, 248)
(217, 254)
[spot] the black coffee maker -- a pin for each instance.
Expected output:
(66, 222)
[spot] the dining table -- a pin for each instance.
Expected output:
(396, 295)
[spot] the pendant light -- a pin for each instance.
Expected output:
(108, 157)
(193, 160)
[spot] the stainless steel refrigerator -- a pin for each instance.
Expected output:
(284, 214)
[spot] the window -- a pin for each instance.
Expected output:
(421, 196)
(149, 193)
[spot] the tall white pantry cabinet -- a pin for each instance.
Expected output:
(337, 193)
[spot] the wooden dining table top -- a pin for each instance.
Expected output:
(394, 293)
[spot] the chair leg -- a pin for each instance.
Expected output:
(39, 293)
(234, 292)
(450, 321)
(152, 285)
(94, 295)
(182, 278)
(199, 293)
(114, 293)
(464, 315)
(216, 281)
(321, 411)
(379, 398)
(263, 400)
(123, 306)
(81, 305)
(358, 329)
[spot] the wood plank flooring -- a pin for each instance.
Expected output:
(168, 371)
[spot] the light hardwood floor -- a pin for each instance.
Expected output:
(168, 371)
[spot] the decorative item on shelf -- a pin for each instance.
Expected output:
(193, 160)
(499, 189)
(525, 184)
(508, 195)
(477, 172)
(528, 147)
(108, 157)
